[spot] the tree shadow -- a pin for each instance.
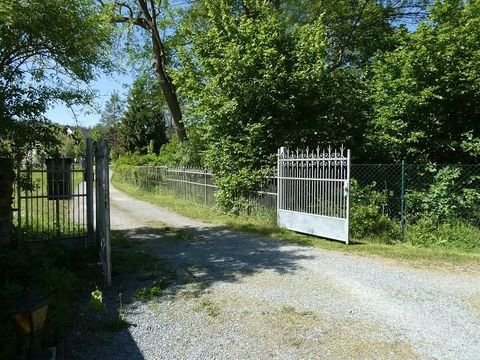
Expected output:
(187, 260)
(206, 256)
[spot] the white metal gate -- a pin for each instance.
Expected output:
(313, 192)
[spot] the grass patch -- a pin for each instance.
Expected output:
(149, 293)
(211, 308)
(264, 224)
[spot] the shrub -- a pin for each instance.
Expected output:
(367, 218)
(451, 196)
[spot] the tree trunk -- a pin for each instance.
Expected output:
(167, 86)
(7, 177)
(147, 20)
(170, 96)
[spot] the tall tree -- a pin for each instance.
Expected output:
(145, 14)
(256, 83)
(113, 111)
(426, 93)
(143, 125)
(356, 29)
(45, 46)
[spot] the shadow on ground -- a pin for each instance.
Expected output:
(149, 262)
(205, 255)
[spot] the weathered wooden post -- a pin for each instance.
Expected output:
(7, 177)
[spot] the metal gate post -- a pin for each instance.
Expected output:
(89, 179)
(106, 179)
(402, 202)
(19, 203)
(103, 207)
(347, 193)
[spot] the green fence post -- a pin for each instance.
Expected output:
(402, 202)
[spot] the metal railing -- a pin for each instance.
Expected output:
(50, 200)
(195, 185)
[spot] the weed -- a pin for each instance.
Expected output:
(209, 307)
(451, 235)
(151, 292)
(296, 342)
(96, 301)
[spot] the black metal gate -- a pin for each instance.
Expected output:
(51, 198)
(56, 201)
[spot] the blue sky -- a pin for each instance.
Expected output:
(89, 115)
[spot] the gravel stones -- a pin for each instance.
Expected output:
(237, 296)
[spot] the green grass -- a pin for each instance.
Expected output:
(151, 292)
(264, 225)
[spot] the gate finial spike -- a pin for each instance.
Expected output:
(318, 151)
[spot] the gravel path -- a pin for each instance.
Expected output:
(237, 296)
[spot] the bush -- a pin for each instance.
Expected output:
(451, 196)
(188, 153)
(367, 220)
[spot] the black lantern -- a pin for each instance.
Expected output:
(29, 315)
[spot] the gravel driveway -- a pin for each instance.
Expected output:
(238, 296)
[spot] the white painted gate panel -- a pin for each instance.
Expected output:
(313, 192)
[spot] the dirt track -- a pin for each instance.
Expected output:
(241, 296)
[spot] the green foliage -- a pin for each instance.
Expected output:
(116, 324)
(151, 292)
(450, 196)
(113, 111)
(46, 48)
(255, 83)
(73, 146)
(426, 93)
(356, 29)
(186, 153)
(143, 123)
(96, 300)
(367, 217)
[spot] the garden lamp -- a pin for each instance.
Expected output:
(29, 314)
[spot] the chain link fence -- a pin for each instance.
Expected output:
(386, 199)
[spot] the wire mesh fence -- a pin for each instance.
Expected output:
(400, 194)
